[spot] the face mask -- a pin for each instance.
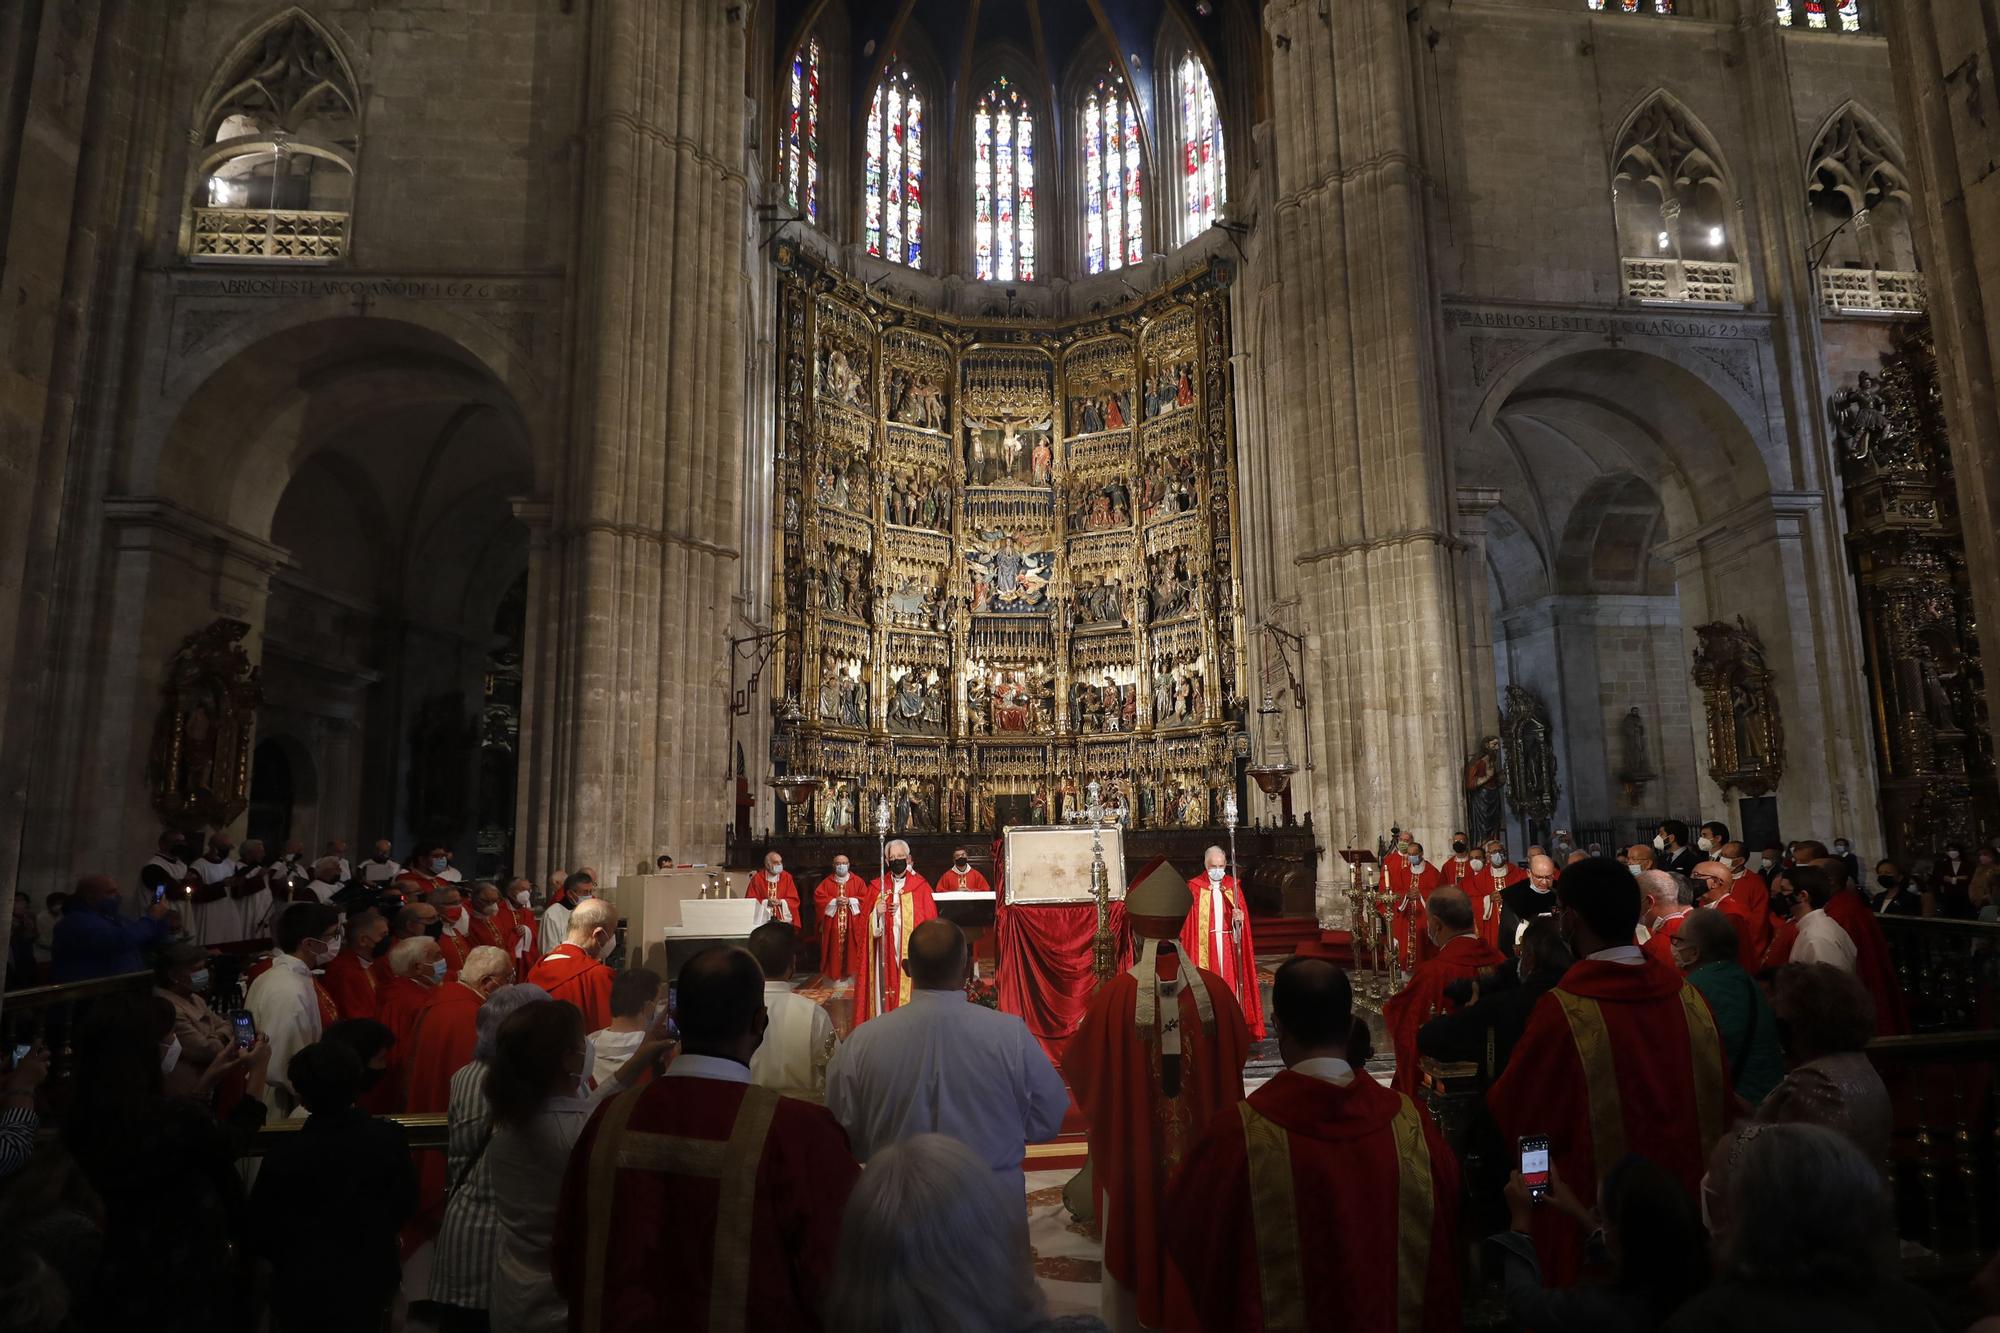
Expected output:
(961, 865)
(840, 872)
(773, 873)
(437, 865)
(1635, 871)
(328, 951)
(1458, 848)
(1783, 903)
(1477, 862)
(1886, 881)
(198, 981)
(899, 866)
(1764, 865)
(1953, 853)
(455, 914)
(521, 898)
(1215, 874)
(1499, 859)
(1416, 860)
(489, 910)
(580, 895)
(437, 971)
(171, 1056)
(1840, 849)
(434, 929)
(1706, 844)
(1659, 842)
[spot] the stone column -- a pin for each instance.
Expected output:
(644, 538)
(1358, 436)
(1478, 690)
(1945, 55)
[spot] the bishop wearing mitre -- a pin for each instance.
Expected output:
(895, 908)
(1217, 936)
(1159, 1052)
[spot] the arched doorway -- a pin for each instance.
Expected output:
(1635, 499)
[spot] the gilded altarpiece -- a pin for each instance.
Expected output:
(1933, 738)
(1009, 559)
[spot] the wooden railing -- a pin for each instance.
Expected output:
(1949, 970)
(1944, 1158)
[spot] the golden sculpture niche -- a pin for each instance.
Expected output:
(1008, 559)
(1746, 739)
(199, 768)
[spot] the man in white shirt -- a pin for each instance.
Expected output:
(1802, 894)
(555, 917)
(941, 1064)
(800, 1042)
(284, 1000)
(635, 1002)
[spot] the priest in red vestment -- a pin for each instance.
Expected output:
(1661, 914)
(775, 886)
(962, 877)
(441, 1044)
(843, 930)
(1484, 889)
(1325, 1201)
(348, 978)
(892, 916)
(1460, 954)
(497, 923)
(1160, 1050)
(416, 971)
(1873, 965)
(422, 873)
(699, 1201)
(1217, 936)
(1464, 860)
(574, 970)
(1746, 904)
(1410, 880)
(1622, 1057)
(455, 939)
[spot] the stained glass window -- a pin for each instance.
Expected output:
(802, 133)
(1203, 188)
(1820, 15)
(1003, 185)
(893, 215)
(1637, 6)
(1113, 177)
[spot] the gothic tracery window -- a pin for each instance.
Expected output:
(1635, 6)
(1113, 177)
(893, 212)
(1859, 199)
(1204, 185)
(1820, 15)
(278, 145)
(1003, 185)
(802, 111)
(1675, 210)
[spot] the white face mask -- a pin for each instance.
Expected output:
(772, 872)
(1477, 863)
(328, 951)
(1764, 864)
(1706, 844)
(1659, 842)
(1635, 870)
(199, 980)
(171, 1056)
(840, 872)
(521, 898)
(1215, 874)
(1840, 849)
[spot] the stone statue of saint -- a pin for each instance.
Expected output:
(1482, 791)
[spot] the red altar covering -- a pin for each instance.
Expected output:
(1044, 965)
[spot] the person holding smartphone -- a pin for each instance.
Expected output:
(180, 977)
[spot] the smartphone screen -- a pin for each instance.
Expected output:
(22, 1052)
(159, 893)
(673, 1009)
(1535, 1166)
(246, 1028)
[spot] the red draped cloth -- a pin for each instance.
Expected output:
(1616, 1059)
(1784, 934)
(1044, 956)
(1872, 962)
(1317, 1208)
(701, 1204)
(1422, 997)
(1139, 1136)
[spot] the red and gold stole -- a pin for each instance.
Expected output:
(1600, 1073)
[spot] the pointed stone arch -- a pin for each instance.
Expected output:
(1676, 208)
(1859, 198)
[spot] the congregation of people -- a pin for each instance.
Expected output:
(1684, 1023)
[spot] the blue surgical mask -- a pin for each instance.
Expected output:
(438, 864)
(437, 971)
(198, 980)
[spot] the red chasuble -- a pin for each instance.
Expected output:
(701, 1204)
(886, 986)
(1748, 906)
(1315, 1208)
(783, 896)
(1784, 934)
(1406, 927)
(1208, 941)
(440, 1045)
(416, 884)
(1422, 997)
(1456, 869)
(970, 882)
(401, 1001)
(568, 973)
(843, 933)
(352, 985)
(1616, 1059)
(1139, 1136)
(1872, 962)
(455, 948)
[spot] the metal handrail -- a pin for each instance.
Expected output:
(68, 992)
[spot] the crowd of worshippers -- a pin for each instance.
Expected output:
(1702, 1131)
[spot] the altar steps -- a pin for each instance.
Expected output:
(1282, 934)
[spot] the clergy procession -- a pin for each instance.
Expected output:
(1671, 1122)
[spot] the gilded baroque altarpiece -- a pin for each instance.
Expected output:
(1009, 559)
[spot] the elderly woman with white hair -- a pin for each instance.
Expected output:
(931, 1243)
(1805, 1239)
